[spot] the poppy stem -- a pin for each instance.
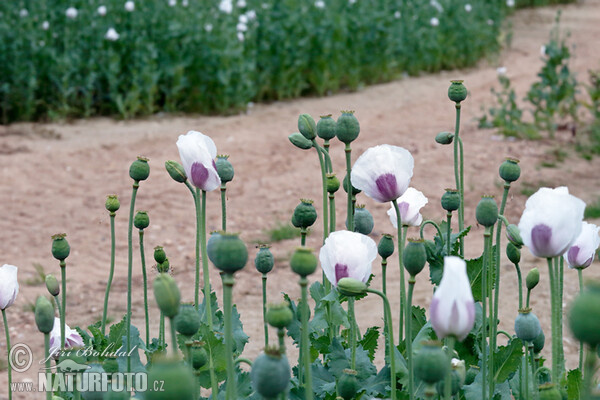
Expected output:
(223, 207)
(580, 274)
(9, 369)
(112, 271)
(350, 210)
(136, 185)
(390, 339)
(401, 265)
(264, 301)
(145, 283)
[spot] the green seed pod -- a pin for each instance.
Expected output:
(584, 317)
(229, 253)
(326, 127)
(167, 295)
(199, 357)
(300, 141)
(187, 321)
(431, 363)
(347, 127)
(60, 247)
(527, 325)
(212, 240)
(385, 248)
(348, 384)
(140, 169)
(451, 200)
(159, 254)
(110, 365)
(164, 267)
(444, 137)
(538, 342)
(549, 391)
(486, 212)
(457, 92)
(513, 253)
(224, 168)
(270, 373)
(279, 315)
(351, 287)
(97, 371)
(305, 214)
(347, 182)
(141, 220)
(454, 384)
(533, 278)
(175, 380)
(176, 171)
(471, 374)
(303, 261)
(112, 203)
(414, 256)
(333, 183)
(514, 235)
(52, 285)
(363, 220)
(307, 126)
(264, 260)
(44, 315)
(509, 170)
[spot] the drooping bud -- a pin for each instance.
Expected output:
(584, 317)
(513, 253)
(533, 278)
(345, 184)
(112, 203)
(385, 248)
(363, 220)
(224, 168)
(307, 126)
(175, 380)
(305, 214)
(431, 363)
(229, 253)
(414, 256)
(527, 325)
(514, 235)
(303, 261)
(486, 212)
(333, 183)
(176, 171)
(347, 127)
(141, 220)
(159, 254)
(451, 200)
(264, 259)
(60, 246)
(167, 294)
(457, 92)
(270, 373)
(348, 384)
(44, 315)
(139, 169)
(279, 315)
(326, 127)
(351, 287)
(187, 321)
(300, 141)
(52, 285)
(444, 137)
(509, 170)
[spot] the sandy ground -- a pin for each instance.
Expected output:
(54, 178)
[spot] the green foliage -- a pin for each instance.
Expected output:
(574, 384)
(39, 276)
(592, 210)
(282, 231)
(437, 250)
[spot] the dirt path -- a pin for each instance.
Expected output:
(55, 178)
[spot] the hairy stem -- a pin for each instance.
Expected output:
(111, 272)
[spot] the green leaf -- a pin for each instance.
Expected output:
(116, 333)
(369, 341)
(215, 347)
(574, 384)
(507, 360)
(419, 320)
(136, 346)
(475, 274)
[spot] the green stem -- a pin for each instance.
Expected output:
(243, 360)
(409, 352)
(111, 273)
(350, 210)
(136, 185)
(303, 233)
(324, 188)
(264, 300)
(430, 222)
(448, 380)
(173, 336)
(332, 221)
(561, 350)
(484, 288)
(492, 323)
(47, 365)
(580, 275)
(459, 175)
(196, 195)
(223, 207)
(161, 329)
(448, 232)
(281, 336)
(351, 320)
(228, 282)
(9, 369)
(58, 306)
(520, 287)
(401, 265)
(553, 321)
(145, 282)
(588, 376)
(308, 390)
(63, 315)
(390, 339)
(384, 275)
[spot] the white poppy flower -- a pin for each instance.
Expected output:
(241, 27)
(226, 6)
(452, 308)
(320, 4)
(9, 286)
(501, 71)
(582, 252)
(468, 8)
(347, 254)
(434, 21)
(172, 3)
(185, 3)
(208, 27)
(23, 13)
(240, 36)
(112, 35)
(45, 25)
(397, 14)
(71, 13)
(251, 14)
(551, 221)
(241, 3)
(101, 11)
(243, 19)
(510, 3)
(129, 6)
(197, 152)
(72, 337)
(409, 204)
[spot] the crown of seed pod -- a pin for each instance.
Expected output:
(347, 127)
(112, 203)
(509, 170)
(298, 140)
(139, 169)
(326, 127)
(141, 220)
(532, 279)
(60, 246)
(457, 91)
(304, 214)
(303, 261)
(264, 259)
(431, 363)
(167, 295)
(44, 315)
(348, 384)
(159, 254)
(385, 248)
(279, 315)
(414, 256)
(486, 212)
(175, 380)
(176, 171)
(187, 321)
(224, 168)
(333, 183)
(270, 373)
(527, 325)
(451, 200)
(228, 252)
(363, 220)
(513, 253)
(307, 126)
(444, 137)
(52, 285)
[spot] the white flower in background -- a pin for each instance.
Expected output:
(9, 285)
(383, 172)
(72, 338)
(452, 311)
(510, 3)
(129, 6)
(42, 43)
(437, 6)
(45, 25)
(23, 13)
(172, 3)
(542, 50)
(226, 6)
(581, 253)
(101, 11)
(250, 14)
(198, 152)
(490, 22)
(320, 4)
(347, 254)
(185, 3)
(240, 36)
(434, 21)
(208, 27)
(71, 13)
(112, 35)
(241, 27)
(241, 3)
(243, 19)
(352, 1)
(397, 14)
(409, 204)
(501, 71)
(468, 8)
(551, 221)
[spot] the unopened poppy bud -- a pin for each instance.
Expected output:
(300, 141)
(44, 315)
(347, 127)
(199, 357)
(333, 183)
(584, 317)
(414, 256)
(351, 287)
(305, 214)
(345, 184)
(457, 92)
(533, 278)
(224, 168)
(471, 374)
(163, 267)
(303, 261)
(307, 126)
(139, 169)
(348, 384)
(176, 171)
(60, 247)
(279, 315)
(326, 127)
(187, 321)
(549, 391)
(527, 325)
(514, 235)
(264, 260)
(486, 212)
(229, 253)
(513, 253)
(444, 137)
(363, 220)
(509, 170)
(52, 285)
(458, 366)
(385, 248)
(538, 342)
(451, 200)
(431, 363)
(159, 254)
(270, 373)
(167, 295)
(175, 380)
(141, 220)
(112, 203)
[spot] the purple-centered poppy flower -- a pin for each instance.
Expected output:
(581, 253)
(551, 221)
(347, 254)
(9, 286)
(409, 204)
(452, 310)
(198, 152)
(72, 338)
(383, 172)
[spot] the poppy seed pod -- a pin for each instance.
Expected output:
(229, 253)
(513, 253)
(532, 279)
(347, 127)
(444, 137)
(348, 384)
(270, 373)
(451, 200)
(538, 342)
(141, 220)
(60, 247)
(363, 220)
(305, 214)
(414, 256)
(187, 321)
(431, 363)
(457, 91)
(326, 127)
(385, 248)
(300, 141)
(486, 212)
(175, 380)
(224, 168)
(333, 183)
(176, 171)
(139, 169)
(279, 315)
(303, 261)
(52, 285)
(159, 254)
(509, 170)
(199, 356)
(513, 235)
(112, 203)
(527, 325)
(167, 295)
(307, 126)
(584, 317)
(264, 260)
(44, 315)
(345, 184)
(212, 240)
